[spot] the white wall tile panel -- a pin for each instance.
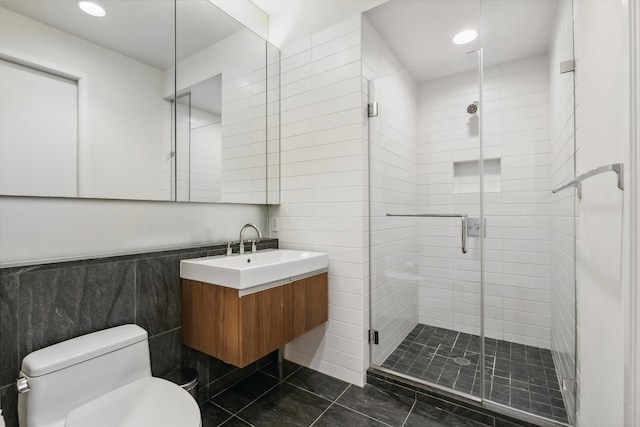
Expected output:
(517, 244)
(324, 189)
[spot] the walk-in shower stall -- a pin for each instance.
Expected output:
(472, 266)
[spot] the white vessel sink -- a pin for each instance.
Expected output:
(249, 270)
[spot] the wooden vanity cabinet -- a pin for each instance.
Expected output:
(241, 329)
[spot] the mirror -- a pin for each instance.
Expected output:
(154, 101)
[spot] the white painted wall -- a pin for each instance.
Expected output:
(632, 244)
(42, 159)
(39, 230)
(122, 150)
(562, 158)
(324, 189)
(602, 114)
(393, 172)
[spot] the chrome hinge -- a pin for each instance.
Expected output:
(567, 66)
(373, 336)
(569, 385)
(372, 109)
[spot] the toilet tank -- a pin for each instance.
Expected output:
(68, 374)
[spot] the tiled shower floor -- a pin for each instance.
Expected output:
(520, 376)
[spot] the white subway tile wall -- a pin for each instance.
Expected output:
(562, 153)
(168, 165)
(449, 294)
(198, 150)
(273, 125)
(182, 135)
(324, 189)
(206, 165)
(515, 114)
(244, 130)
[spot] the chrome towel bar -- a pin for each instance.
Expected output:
(462, 216)
(618, 168)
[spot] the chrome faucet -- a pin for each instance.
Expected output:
(253, 244)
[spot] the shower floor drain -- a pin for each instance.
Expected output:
(462, 361)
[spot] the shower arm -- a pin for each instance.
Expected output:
(463, 217)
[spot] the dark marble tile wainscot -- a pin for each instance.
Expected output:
(41, 305)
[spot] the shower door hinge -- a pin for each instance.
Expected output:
(569, 385)
(567, 66)
(373, 336)
(372, 109)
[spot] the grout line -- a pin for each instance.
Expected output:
(351, 409)
(316, 394)
(241, 419)
(410, 411)
(280, 380)
(220, 407)
(323, 412)
(254, 400)
(332, 403)
(363, 414)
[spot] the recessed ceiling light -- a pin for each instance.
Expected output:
(464, 37)
(92, 8)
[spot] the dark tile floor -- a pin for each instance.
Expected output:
(520, 376)
(297, 396)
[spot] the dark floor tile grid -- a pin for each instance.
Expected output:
(291, 395)
(522, 377)
(428, 353)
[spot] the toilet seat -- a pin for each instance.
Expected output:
(147, 402)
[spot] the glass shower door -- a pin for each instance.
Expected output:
(425, 204)
(529, 241)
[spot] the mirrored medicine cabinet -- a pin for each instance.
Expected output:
(157, 100)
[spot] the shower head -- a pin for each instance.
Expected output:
(472, 108)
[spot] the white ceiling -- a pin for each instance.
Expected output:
(290, 20)
(139, 29)
(419, 32)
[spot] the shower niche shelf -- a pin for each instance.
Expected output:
(466, 176)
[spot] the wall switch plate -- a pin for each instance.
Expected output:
(275, 224)
(473, 227)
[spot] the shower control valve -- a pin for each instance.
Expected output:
(473, 227)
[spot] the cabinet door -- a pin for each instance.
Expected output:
(210, 320)
(262, 318)
(310, 303)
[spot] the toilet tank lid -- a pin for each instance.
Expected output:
(80, 349)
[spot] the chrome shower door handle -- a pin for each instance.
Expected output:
(426, 215)
(464, 234)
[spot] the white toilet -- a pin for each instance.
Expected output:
(98, 380)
